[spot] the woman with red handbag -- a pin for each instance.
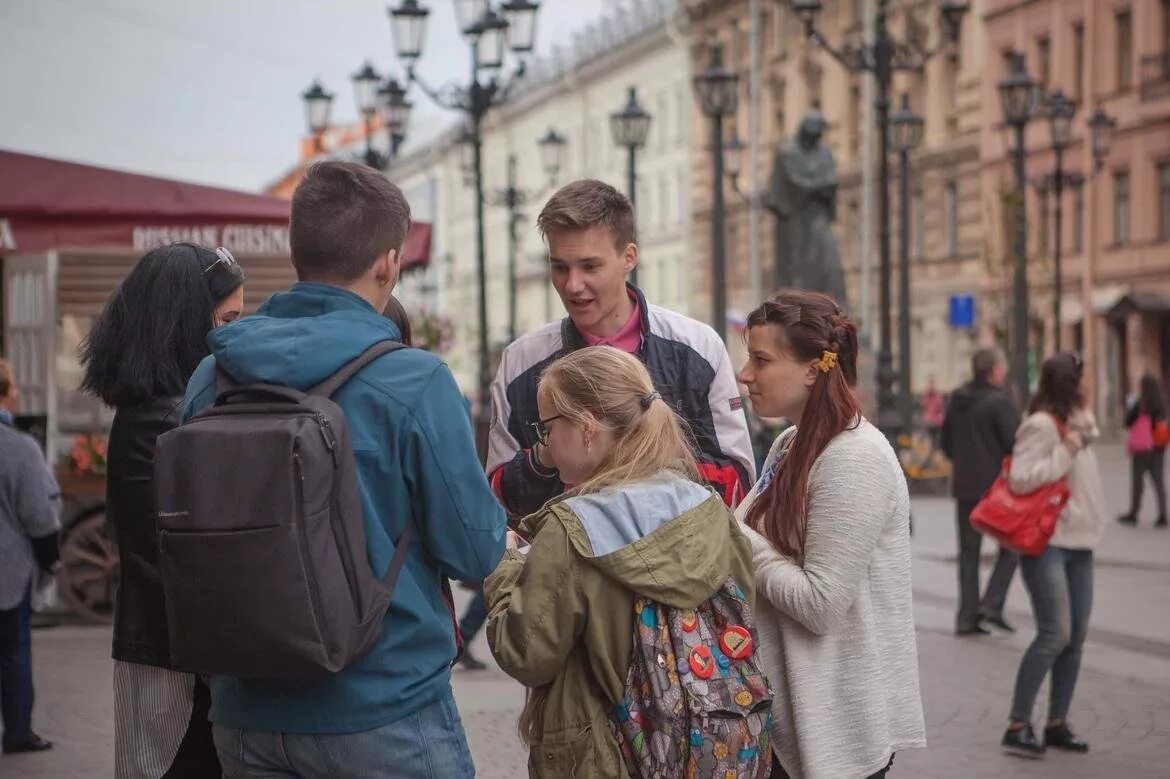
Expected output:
(1053, 443)
(1146, 444)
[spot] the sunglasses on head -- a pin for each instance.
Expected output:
(222, 257)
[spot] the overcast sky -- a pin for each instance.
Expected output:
(208, 90)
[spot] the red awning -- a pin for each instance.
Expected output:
(52, 204)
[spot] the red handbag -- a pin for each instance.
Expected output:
(1022, 523)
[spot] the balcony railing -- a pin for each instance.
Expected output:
(1156, 75)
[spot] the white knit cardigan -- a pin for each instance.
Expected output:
(837, 633)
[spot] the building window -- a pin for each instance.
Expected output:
(951, 218)
(661, 121)
(1121, 207)
(951, 89)
(1124, 21)
(681, 114)
(1044, 59)
(853, 111)
(1164, 201)
(1078, 86)
(663, 201)
(1165, 26)
(1078, 220)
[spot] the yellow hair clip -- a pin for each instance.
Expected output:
(827, 362)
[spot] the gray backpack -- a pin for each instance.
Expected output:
(262, 545)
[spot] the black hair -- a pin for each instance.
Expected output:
(1152, 399)
(396, 313)
(153, 330)
(1060, 386)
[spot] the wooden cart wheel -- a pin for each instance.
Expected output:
(89, 569)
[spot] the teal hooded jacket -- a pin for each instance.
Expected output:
(416, 460)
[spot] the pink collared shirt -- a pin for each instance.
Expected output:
(628, 339)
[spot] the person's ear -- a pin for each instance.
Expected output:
(812, 372)
(630, 257)
(387, 268)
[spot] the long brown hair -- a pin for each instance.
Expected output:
(601, 385)
(1060, 392)
(808, 325)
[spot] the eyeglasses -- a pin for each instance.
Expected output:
(223, 257)
(540, 428)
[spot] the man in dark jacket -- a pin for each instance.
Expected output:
(978, 432)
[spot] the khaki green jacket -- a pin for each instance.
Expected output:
(562, 614)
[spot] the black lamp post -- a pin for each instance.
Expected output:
(488, 32)
(552, 150)
(882, 58)
(718, 96)
(1060, 110)
(905, 136)
(317, 105)
(1019, 96)
(630, 126)
(374, 99)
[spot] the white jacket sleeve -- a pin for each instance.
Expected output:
(851, 500)
(1040, 456)
(731, 428)
(502, 447)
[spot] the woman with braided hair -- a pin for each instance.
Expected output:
(829, 526)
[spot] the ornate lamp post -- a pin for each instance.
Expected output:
(883, 58)
(1019, 96)
(513, 197)
(630, 126)
(488, 32)
(905, 136)
(718, 96)
(374, 99)
(317, 105)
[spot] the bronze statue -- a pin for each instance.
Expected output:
(803, 199)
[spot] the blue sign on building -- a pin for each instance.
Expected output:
(962, 312)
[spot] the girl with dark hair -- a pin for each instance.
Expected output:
(142, 350)
(1052, 444)
(829, 522)
(1146, 420)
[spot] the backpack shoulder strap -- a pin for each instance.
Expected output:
(347, 371)
(223, 380)
(399, 559)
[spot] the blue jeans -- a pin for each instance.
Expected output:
(429, 744)
(1060, 585)
(16, 684)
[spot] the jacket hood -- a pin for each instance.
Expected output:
(667, 539)
(300, 337)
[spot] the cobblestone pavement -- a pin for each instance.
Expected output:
(1122, 704)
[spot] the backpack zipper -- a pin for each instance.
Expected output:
(310, 574)
(327, 434)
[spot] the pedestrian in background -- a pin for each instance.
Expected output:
(1146, 443)
(978, 432)
(30, 504)
(638, 524)
(138, 357)
(829, 527)
(934, 408)
(1055, 442)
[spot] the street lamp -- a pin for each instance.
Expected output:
(905, 131)
(1101, 127)
(883, 58)
(487, 33)
(365, 94)
(1060, 110)
(395, 110)
(317, 105)
(1019, 98)
(629, 127)
(718, 96)
(552, 148)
